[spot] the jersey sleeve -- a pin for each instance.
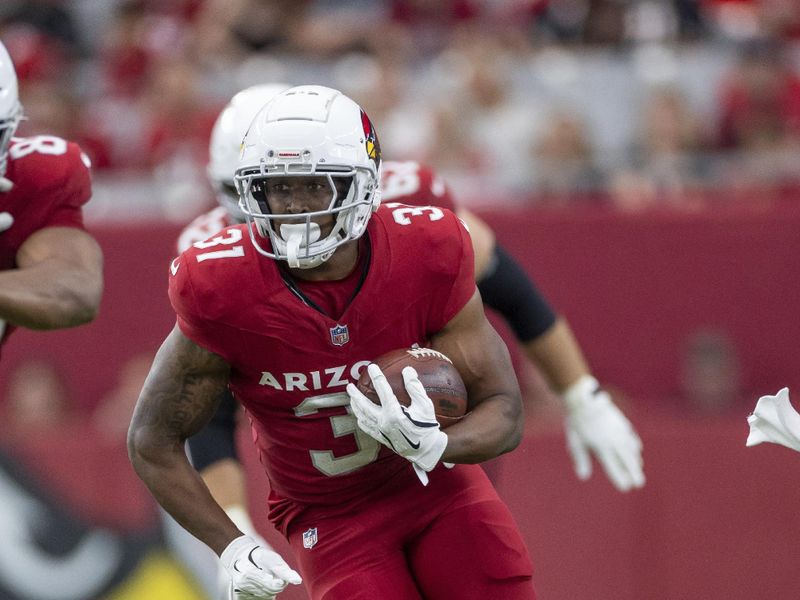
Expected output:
(187, 304)
(71, 190)
(458, 255)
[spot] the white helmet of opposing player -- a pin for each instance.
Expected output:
(10, 108)
(226, 142)
(310, 130)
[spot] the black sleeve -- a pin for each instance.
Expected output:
(506, 288)
(217, 440)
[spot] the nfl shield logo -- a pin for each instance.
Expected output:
(310, 538)
(340, 335)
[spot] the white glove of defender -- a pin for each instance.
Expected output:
(257, 573)
(413, 432)
(595, 424)
(775, 420)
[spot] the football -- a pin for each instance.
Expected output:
(437, 374)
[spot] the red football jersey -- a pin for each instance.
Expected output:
(406, 182)
(412, 183)
(51, 183)
(291, 363)
(203, 227)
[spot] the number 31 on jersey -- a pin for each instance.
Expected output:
(227, 238)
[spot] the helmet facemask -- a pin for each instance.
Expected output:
(298, 237)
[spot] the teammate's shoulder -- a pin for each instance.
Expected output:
(414, 183)
(50, 173)
(203, 227)
(50, 150)
(47, 161)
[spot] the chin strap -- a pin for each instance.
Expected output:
(292, 250)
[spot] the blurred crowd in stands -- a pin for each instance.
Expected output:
(633, 102)
(625, 103)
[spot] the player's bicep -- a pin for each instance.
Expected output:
(480, 355)
(180, 394)
(74, 258)
(68, 245)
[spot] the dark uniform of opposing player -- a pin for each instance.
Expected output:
(290, 331)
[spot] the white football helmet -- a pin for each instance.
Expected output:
(310, 130)
(10, 108)
(226, 142)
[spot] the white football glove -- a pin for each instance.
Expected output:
(256, 572)
(238, 514)
(775, 420)
(413, 432)
(595, 424)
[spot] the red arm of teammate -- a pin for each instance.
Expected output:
(494, 425)
(58, 282)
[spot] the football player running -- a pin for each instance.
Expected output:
(51, 270)
(286, 310)
(594, 425)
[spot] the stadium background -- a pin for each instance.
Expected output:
(639, 158)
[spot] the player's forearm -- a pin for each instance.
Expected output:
(494, 424)
(49, 296)
(179, 397)
(179, 489)
(492, 428)
(558, 355)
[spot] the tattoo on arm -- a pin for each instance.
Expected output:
(179, 397)
(182, 391)
(187, 408)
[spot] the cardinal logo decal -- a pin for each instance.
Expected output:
(371, 139)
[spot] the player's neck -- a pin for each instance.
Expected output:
(338, 266)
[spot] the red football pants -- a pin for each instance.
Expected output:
(452, 540)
